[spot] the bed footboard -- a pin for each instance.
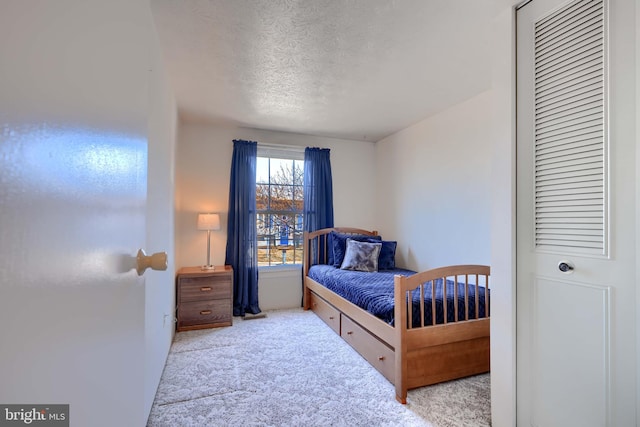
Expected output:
(458, 346)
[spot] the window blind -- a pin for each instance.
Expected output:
(280, 151)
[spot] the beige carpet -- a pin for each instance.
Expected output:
(290, 369)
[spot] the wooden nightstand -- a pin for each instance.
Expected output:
(204, 297)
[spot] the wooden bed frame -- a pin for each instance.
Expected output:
(407, 357)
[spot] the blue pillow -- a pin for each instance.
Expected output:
(339, 244)
(330, 248)
(361, 256)
(387, 259)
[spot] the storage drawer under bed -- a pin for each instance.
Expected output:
(377, 353)
(326, 312)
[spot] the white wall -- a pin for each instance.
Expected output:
(434, 190)
(203, 163)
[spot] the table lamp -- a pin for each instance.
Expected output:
(208, 221)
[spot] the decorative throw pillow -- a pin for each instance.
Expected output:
(361, 256)
(387, 259)
(338, 245)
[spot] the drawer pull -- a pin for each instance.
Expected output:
(205, 289)
(315, 304)
(205, 312)
(349, 332)
(331, 317)
(380, 358)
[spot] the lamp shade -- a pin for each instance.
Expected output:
(208, 221)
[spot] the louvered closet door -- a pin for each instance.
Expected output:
(575, 203)
(570, 129)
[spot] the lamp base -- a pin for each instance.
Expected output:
(208, 267)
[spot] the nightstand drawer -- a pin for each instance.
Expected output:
(204, 288)
(211, 312)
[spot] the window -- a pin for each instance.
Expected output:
(279, 204)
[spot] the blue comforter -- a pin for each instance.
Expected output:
(374, 293)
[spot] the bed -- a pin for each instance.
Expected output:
(396, 318)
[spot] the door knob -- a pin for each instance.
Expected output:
(565, 266)
(157, 261)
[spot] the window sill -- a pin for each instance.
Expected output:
(280, 270)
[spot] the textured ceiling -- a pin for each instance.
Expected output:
(355, 69)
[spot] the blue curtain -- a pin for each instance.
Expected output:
(318, 190)
(242, 251)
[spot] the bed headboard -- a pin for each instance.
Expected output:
(315, 244)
